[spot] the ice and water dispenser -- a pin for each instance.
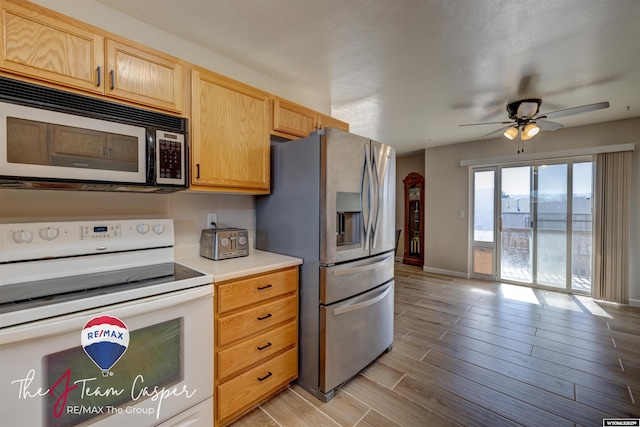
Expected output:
(348, 218)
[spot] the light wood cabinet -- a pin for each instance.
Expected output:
(289, 119)
(292, 121)
(41, 44)
(229, 135)
(44, 45)
(256, 340)
(136, 73)
(325, 121)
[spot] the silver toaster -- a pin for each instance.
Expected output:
(224, 243)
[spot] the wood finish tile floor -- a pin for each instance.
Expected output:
(475, 353)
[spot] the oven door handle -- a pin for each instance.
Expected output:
(121, 310)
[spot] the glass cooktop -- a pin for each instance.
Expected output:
(39, 293)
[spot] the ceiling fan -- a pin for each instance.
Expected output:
(526, 122)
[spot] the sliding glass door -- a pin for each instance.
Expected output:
(550, 224)
(543, 235)
(516, 224)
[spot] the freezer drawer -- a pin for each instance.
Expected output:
(346, 280)
(353, 334)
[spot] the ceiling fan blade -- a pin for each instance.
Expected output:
(486, 123)
(547, 125)
(497, 132)
(574, 110)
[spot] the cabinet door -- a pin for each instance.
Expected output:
(291, 119)
(143, 76)
(42, 44)
(230, 135)
(330, 122)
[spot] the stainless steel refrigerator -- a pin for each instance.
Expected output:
(332, 203)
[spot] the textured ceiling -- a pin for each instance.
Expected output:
(408, 72)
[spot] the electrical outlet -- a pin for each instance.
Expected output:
(211, 217)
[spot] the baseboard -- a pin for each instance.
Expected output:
(634, 302)
(398, 259)
(445, 272)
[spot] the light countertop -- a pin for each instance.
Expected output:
(257, 262)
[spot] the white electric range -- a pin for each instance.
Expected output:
(99, 326)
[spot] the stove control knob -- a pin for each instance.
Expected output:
(49, 233)
(242, 240)
(224, 242)
(158, 228)
(143, 228)
(23, 236)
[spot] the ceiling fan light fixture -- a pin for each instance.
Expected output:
(530, 130)
(511, 133)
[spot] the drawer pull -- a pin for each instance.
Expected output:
(260, 288)
(265, 317)
(265, 377)
(265, 346)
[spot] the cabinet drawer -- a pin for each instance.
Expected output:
(240, 293)
(248, 322)
(256, 384)
(253, 350)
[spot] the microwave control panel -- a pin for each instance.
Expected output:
(170, 158)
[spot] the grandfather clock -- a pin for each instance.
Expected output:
(413, 219)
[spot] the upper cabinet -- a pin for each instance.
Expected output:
(325, 121)
(41, 44)
(289, 119)
(136, 73)
(292, 121)
(229, 135)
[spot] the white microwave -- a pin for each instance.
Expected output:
(51, 139)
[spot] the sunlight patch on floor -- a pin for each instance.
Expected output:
(592, 307)
(482, 291)
(519, 293)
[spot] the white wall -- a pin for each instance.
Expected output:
(188, 210)
(447, 189)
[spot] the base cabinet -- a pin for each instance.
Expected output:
(256, 340)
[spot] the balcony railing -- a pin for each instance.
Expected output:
(516, 256)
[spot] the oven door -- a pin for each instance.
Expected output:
(49, 379)
(44, 144)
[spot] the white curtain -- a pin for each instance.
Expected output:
(612, 227)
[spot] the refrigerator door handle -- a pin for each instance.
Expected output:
(380, 180)
(346, 271)
(366, 207)
(360, 305)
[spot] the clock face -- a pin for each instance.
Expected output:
(414, 193)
